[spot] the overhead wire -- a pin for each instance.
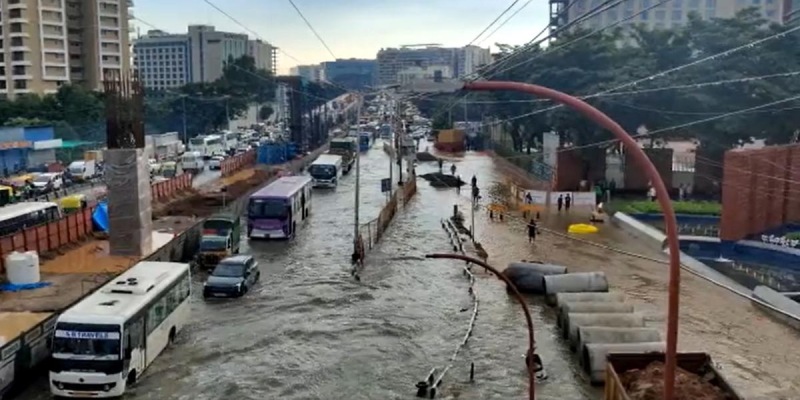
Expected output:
(502, 24)
(513, 3)
(311, 27)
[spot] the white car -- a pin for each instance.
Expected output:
(215, 162)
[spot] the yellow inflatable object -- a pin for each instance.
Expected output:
(582, 228)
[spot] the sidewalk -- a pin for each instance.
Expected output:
(757, 354)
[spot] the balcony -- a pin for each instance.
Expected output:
(17, 4)
(53, 5)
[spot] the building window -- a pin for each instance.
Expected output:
(18, 56)
(16, 41)
(20, 84)
(16, 28)
(18, 70)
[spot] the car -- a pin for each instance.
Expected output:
(232, 277)
(215, 162)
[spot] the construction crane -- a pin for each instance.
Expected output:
(406, 46)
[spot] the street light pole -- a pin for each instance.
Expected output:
(358, 188)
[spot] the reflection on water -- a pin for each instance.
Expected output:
(751, 275)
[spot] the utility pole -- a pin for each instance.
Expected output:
(391, 161)
(185, 133)
(400, 134)
(358, 189)
(227, 111)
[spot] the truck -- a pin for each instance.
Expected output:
(82, 170)
(347, 148)
(221, 237)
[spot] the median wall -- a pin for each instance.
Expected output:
(231, 165)
(371, 232)
(167, 190)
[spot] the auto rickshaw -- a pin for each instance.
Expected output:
(7, 195)
(169, 169)
(73, 203)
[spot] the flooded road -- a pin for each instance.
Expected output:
(308, 330)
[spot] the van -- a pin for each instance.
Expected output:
(193, 162)
(48, 182)
(82, 170)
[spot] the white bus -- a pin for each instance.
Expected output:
(230, 140)
(326, 170)
(19, 216)
(105, 342)
(208, 146)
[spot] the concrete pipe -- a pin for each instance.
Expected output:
(574, 283)
(540, 268)
(599, 334)
(530, 283)
(593, 356)
(594, 297)
(591, 307)
(572, 321)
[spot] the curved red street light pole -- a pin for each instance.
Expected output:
(650, 170)
(529, 359)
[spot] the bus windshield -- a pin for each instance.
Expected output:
(91, 341)
(341, 145)
(268, 208)
(321, 171)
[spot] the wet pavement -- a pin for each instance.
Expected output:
(308, 330)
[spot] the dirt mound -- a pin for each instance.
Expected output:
(648, 384)
(205, 204)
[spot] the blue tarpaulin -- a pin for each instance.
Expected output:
(100, 217)
(10, 287)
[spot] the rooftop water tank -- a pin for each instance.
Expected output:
(22, 268)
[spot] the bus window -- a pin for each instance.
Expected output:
(19, 216)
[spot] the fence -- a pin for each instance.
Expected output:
(48, 237)
(231, 165)
(372, 231)
(166, 190)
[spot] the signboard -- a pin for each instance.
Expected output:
(386, 185)
(48, 144)
(20, 144)
(87, 335)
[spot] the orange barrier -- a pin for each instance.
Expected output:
(166, 190)
(231, 165)
(48, 237)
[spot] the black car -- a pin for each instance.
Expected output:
(232, 277)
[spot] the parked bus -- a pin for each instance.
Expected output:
(275, 210)
(104, 343)
(19, 216)
(208, 146)
(326, 170)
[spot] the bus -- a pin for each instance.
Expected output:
(18, 216)
(326, 170)
(364, 139)
(230, 140)
(274, 211)
(208, 146)
(103, 344)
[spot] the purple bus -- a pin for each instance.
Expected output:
(274, 211)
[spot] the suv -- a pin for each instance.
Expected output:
(232, 277)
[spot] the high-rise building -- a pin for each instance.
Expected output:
(264, 54)
(460, 61)
(162, 59)
(211, 49)
(308, 72)
(46, 43)
(350, 73)
(667, 15)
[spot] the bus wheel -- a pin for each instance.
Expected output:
(172, 335)
(131, 378)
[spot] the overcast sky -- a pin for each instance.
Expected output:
(352, 28)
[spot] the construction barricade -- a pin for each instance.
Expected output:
(166, 190)
(232, 165)
(48, 237)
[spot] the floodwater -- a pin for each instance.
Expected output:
(308, 330)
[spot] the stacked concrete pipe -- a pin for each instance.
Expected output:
(593, 321)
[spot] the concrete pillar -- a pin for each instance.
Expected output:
(130, 213)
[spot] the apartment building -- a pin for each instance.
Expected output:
(791, 11)
(46, 43)
(163, 60)
(352, 73)
(431, 73)
(98, 39)
(264, 54)
(211, 49)
(667, 15)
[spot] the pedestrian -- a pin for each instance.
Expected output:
(532, 230)
(458, 185)
(567, 202)
(474, 181)
(560, 202)
(528, 198)
(453, 169)
(681, 193)
(441, 164)
(651, 194)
